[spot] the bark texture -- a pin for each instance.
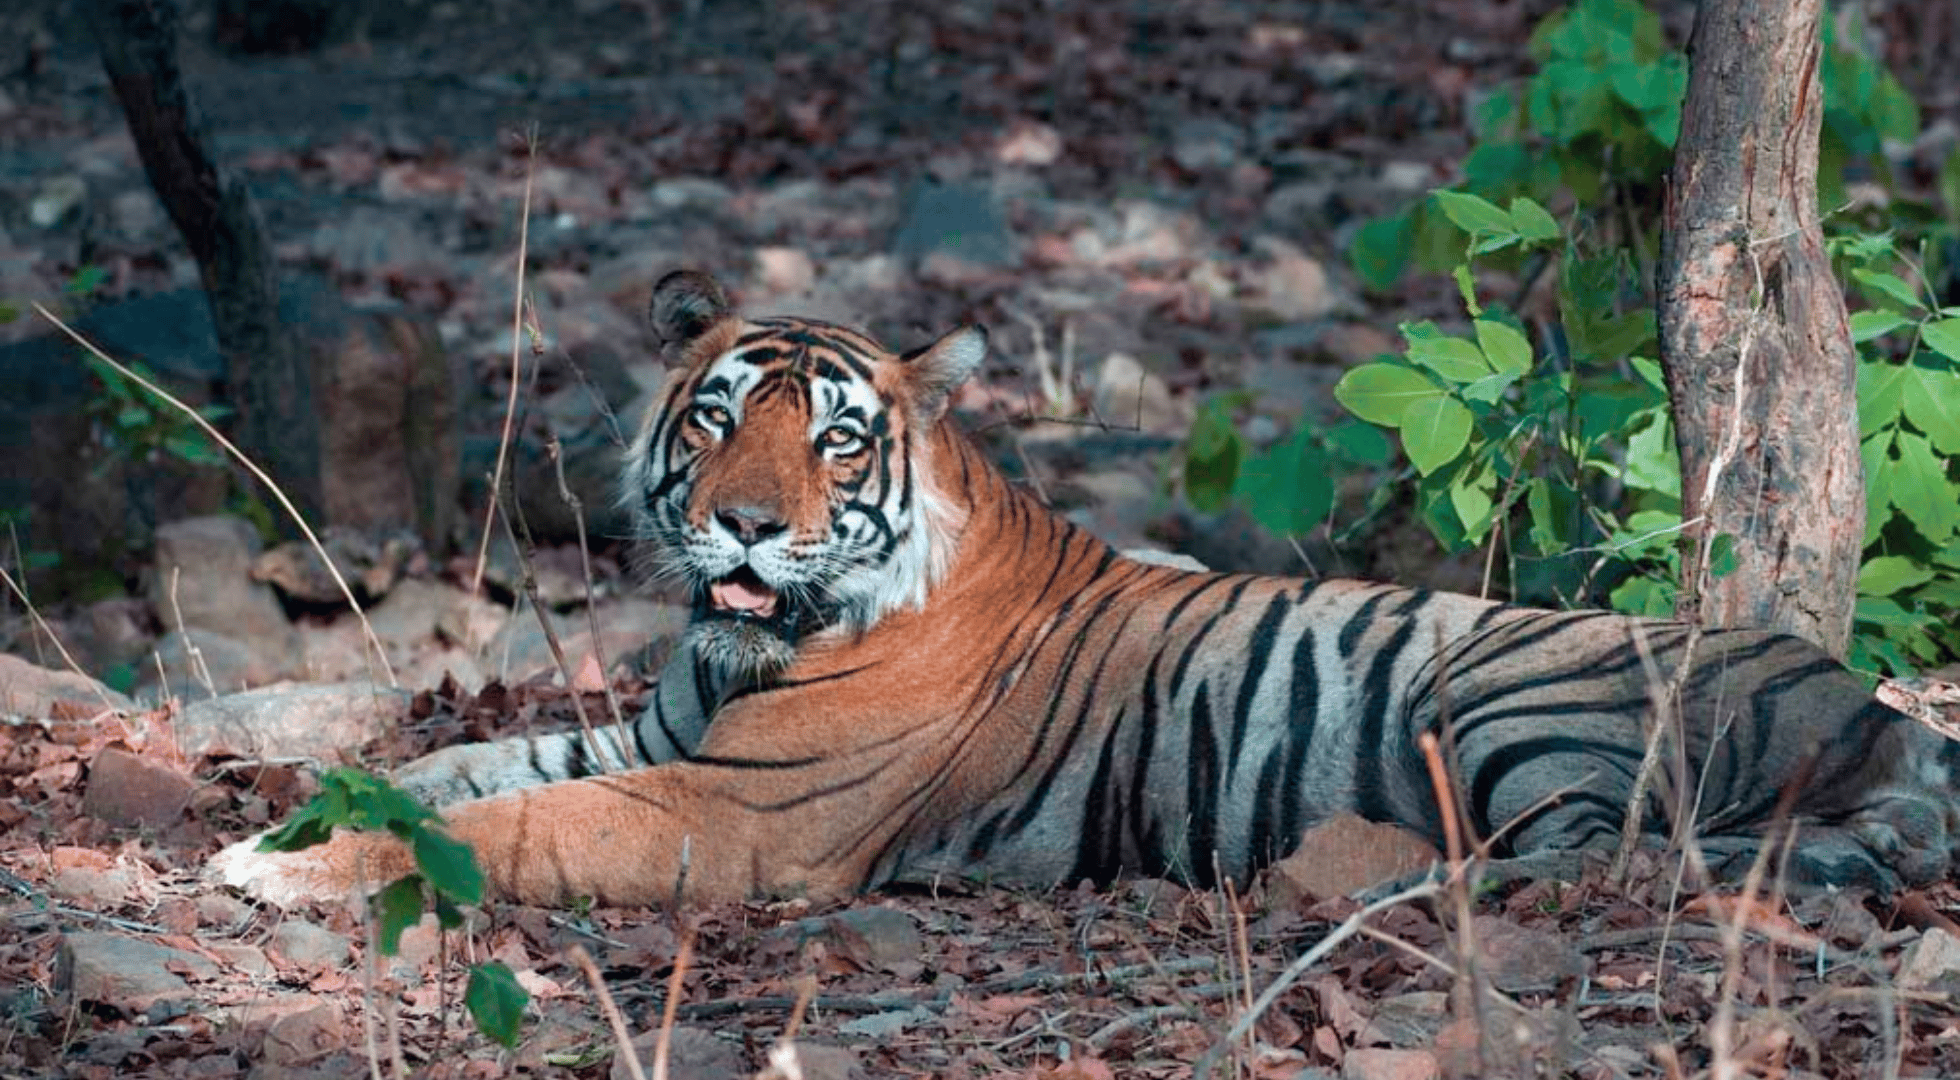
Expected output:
(1754, 338)
(268, 378)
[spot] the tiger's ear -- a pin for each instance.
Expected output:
(935, 371)
(686, 303)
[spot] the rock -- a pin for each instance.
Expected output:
(1206, 143)
(205, 563)
(58, 197)
(195, 665)
(871, 937)
(1371, 1063)
(690, 193)
(956, 219)
(817, 1061)
(1129, 395)
(1344, 854)
(127, 974)
(1288, 285)
(1934, 958)
(308, 945)
(137, 214)
(28, 690)
(692, 1054)
(95, 888)
(304, 1035)
(369, 561)
(375, 240)
(129, 789)
(627, 626)
(223, 911)
(783, 271)
(290, 721)
(1408, 1021)
(389, 400)
(249, 959)
(1028, 142)
(1518, 960)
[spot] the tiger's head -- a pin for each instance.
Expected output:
(783, 477)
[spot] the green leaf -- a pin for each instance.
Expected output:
(1434, 431)
(1949, 184)
(1472, 214)
(1650, 372)
(1881, 396)
(1212, 454)
(1546, 535)
(1454, 358)
(1488, 389)
(1382, 393)
(396, 908)
(1921, 490)
(1932, 403)
(1943, 336)
(1466, 287)
(1653, 461)
(1721, 555)
(1890, 285)
(1380, 252)
(1888, 574)
(495, 1001)
(448, 864)
(1504, 346)
(1877, 455)
(1289, 489)
(1473, 498)
(1876, 322)
(1531, 221)
(1361, 443)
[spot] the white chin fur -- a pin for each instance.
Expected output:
(740, 648)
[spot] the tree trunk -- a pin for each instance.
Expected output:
(268, 378)
(1753, 333)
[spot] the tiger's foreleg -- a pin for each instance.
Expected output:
(640, 838)
(670, 728)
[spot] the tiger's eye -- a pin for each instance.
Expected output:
(839, 438)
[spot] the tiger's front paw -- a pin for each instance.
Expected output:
(342, 869)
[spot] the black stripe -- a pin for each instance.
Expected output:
(1201, 791)
(1261, 647)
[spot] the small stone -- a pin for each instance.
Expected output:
(870, 937)
(195, 665)
(290, 721)
(1519, 960)
(304, 1036)
(203, 581)
(131, 790)
(1289, 285)
(32, 691)
(249, 959)
(1344, 854)
(57, 198)
(307, 945)
(692, 1054)
(222, 911)
(784, 271)
(1935, 956)
(1028, 142)
(1128, 394)
(125, 973)
(1371, 1063)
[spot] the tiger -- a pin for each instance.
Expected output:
(901, 666)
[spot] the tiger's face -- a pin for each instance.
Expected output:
(784, 475)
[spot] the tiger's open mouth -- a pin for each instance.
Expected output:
(743, 595)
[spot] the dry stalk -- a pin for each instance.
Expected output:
(1665, 695)
(278, 493)
(1349, 927)
(664, 1045)
(199, 670)
(526, 551)
(516, 365)
(617, 1022)
(555, 451)
(42, 625)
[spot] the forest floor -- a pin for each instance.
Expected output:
(1159, 191)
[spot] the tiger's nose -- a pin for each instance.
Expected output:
(750, 524)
